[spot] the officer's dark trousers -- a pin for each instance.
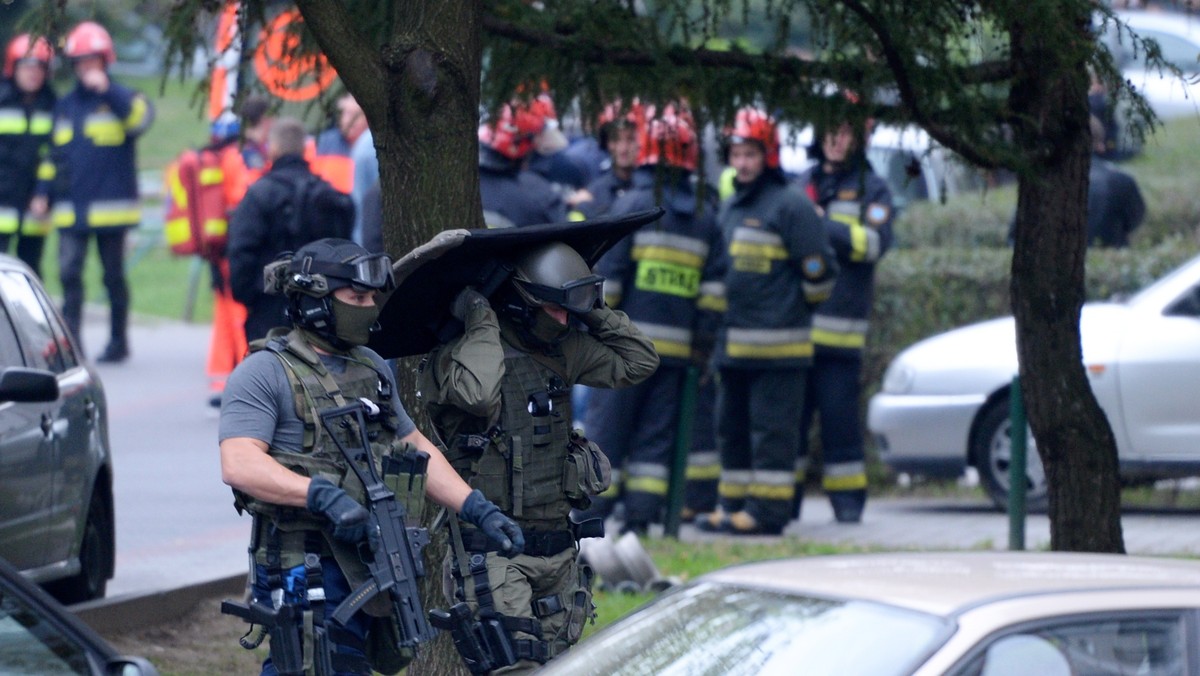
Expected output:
(72, 251)
(758, 439)
(704, 463)
(636, 427)
(834, 389)
(29, 249)
(337, 588)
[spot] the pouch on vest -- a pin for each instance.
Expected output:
(587, 471)
(384, 651)
(404, 473)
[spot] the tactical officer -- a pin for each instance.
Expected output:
(669, 278)
(290, 474)
(499, 397)
(514, 196)
(26, 107)
(856, 207)
(781, 265)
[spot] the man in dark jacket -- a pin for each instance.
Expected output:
(1115, 204)
(266, 223)
(856, 207)
(27, 103)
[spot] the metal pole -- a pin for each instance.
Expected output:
(1017, 468)
(189, 303)
(683, 444)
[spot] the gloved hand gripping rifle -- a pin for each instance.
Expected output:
(395, 560)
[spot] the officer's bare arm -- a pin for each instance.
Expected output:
(442, 485)
(246, 466)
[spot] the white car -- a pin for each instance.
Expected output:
(944, 402)
(1178, 36)
(915, 614)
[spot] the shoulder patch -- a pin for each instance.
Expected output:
(877, 214)
(847, 195)
(814, 266)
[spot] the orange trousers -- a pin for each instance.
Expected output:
(227, 346)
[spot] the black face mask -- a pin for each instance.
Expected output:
(546, 328)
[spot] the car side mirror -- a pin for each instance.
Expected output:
(130, 666)
(27, 385)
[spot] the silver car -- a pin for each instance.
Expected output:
(944, 402)
(917, 614)
(56, 504)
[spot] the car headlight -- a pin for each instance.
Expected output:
(899, 378)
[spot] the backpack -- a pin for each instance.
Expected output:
(196, 211)
(316, 210)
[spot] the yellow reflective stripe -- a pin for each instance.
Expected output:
(849, 482)
(748, 351)
(212, 176)
(175, 186)
(13, 122)
(733, 491)
(646, 484)
(63, 215)
(713, 303)
(702, 472)
(859, 244)
(751, 250)
(613, 491)
(666, 255)
(667, 348)
(9, 220)
(772, 492)
(725, 186)
(41, 123)
(177, 231)
(116, 212)
(46, 171)
(575, 216)
(104, 130)
(137, 113)
(216, 227)
(832, 339)
(63, 132)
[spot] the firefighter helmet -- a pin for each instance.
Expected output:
(754, 126)
(669, 138)
(512, 133)
(90, 39)
(25, 48)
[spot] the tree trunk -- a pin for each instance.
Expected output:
(1073, 435)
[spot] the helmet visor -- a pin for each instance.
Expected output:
(580, 295)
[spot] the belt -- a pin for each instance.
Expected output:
(537, 543)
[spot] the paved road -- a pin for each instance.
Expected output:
(176, 525)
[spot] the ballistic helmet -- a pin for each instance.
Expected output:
(754, 126)
(25, 48)
(90, 39)
(319, 268)
(556, 274)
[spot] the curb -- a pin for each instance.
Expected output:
(136, 611)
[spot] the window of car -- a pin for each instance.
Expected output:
(41, 346)
(710, 628)
(1151, 644)
(1176, 50)
(30, 644)
(10, 346)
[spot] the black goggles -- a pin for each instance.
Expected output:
(579, 296)
(373, 271)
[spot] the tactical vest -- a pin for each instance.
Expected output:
(280, 532)
(521, 463)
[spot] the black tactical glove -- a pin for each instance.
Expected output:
(468, 299)
(349, 519)
(487, 517)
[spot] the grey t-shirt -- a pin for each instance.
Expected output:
(258, 403)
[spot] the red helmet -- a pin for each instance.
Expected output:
(616, 116)
(512, 134)
(90, 39)
(754, 125)
(669, 138)
(25, 47)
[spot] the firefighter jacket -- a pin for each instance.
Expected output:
(605, 190)
(780, 266)
(502, 406)
(24, 143)
(858, 218)
(93, 182)
(515, 197)
(668, 276)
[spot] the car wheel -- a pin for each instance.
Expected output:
(991, 453)
(95, 557)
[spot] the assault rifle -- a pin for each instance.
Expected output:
(395, 558)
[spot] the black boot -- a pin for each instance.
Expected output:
(116, 352)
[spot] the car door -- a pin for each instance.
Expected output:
(71, 454)
(1158, 377)
(26, 431)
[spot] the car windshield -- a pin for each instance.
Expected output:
(711, 628)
